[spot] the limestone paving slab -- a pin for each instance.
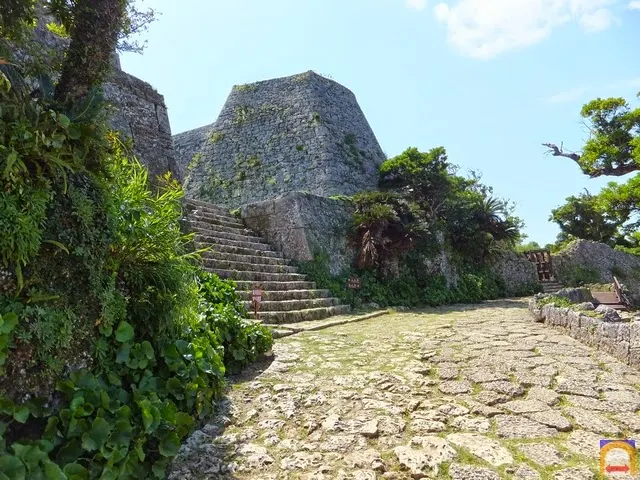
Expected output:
(368, 400)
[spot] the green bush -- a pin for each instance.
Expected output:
(410, 288)
(560, 302)
(113, 311)
(576, 276)
(221, 311)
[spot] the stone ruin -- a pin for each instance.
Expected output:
(280, 151)
(298, 133)
(137, 110)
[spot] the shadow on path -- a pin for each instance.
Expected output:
(209, 452)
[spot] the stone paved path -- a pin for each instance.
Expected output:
(464, 393)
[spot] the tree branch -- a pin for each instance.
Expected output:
(616, 171)
(620, 170)
(558, 152)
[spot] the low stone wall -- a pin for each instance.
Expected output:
(620, 338)
(519, 274)
(302, 225)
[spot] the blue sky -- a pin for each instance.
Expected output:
(490, 80)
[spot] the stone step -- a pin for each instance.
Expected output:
(295, 316)
(221, 225)
(239, 254)
(193, 204)
(289, 305)
(222, 248)
(203, 228)
(214, 240)
(257, 276)
(551, 287)
(243, 286)
(235, 257)
(217, 264)
(284, 295)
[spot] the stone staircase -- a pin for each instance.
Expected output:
(242, 255)
(551, 286)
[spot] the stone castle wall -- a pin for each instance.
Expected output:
(302, 225)
(299, 133)
(138, 111)
(519, 274)
(602, 261)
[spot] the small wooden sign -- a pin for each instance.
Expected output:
(354, 283)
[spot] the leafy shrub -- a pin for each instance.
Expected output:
(221, 311)
(411, 287)
(560, 302)
(576, 276)
(384, 226)
(115, 312)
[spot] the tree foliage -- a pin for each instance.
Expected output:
(96, 28)
(586, 216)
(422, 199)
(15, 17)
(613, 147)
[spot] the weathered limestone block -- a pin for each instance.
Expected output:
(302, 225)
(535, 310)
(138, 112)
(572, 320)
(587, 332)
(609, 314)
(613, 338)
(576, 295)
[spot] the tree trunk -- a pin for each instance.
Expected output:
(93, 40)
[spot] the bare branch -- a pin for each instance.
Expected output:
(559, 152)
(618, 171)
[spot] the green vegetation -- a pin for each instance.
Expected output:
(408, 288)
(423, 213)
(242, 114)
(613, 149)
(195, 160)
(216, 136)
(247, 87)
(113, 342)
(577, 276)
(560, 302)
(253, 162)
(353, 154)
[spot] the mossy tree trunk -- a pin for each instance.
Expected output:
(93, 40)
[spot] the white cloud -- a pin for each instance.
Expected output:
(628, 83)
(634, 5)
(567, 95)
(416, 4)
(597, 21)
(485, 28)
